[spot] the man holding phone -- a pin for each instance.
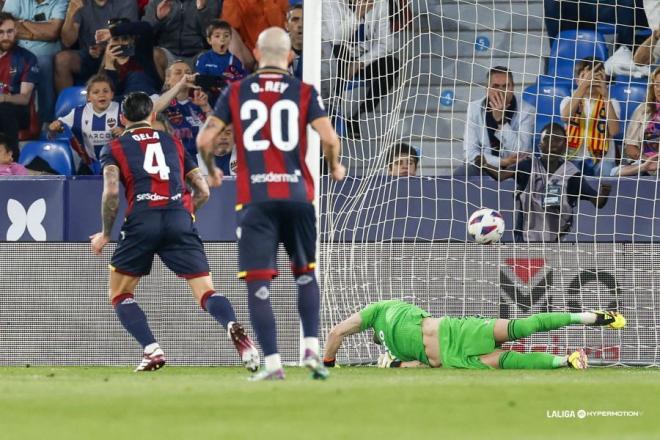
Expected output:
(38, 30)
(83, 19)
(499, 131)
(128, 58)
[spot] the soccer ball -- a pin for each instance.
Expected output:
(486, 226)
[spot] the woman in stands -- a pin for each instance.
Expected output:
(640, 145)
(93, 125)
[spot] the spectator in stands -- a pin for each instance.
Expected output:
(402, 160)
(248, 18)
(128, 60)
(19, 72)
(180, 28)
(499, 128)
(362, 49)
(219, 62)
(562, 15)
(185, 106)
(642, 139)
(93, 125)
(548, 190)
(294, 25)
(83, 19)
(224, 152)
(649, 51)
(7, 165)
(592, 120)
(38, 30)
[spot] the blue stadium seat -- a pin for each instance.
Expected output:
(574, 45)
(630, 93)
(546, 98)
(68, 99)
(57, 155)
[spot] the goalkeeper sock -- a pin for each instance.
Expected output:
(309, 304)
(219, 307)
(133, 319)
(261, 315)
(540, 322)
(512, 360)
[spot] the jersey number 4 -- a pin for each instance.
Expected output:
(276, 128)
(154, 161)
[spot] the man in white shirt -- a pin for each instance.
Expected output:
(499, 130)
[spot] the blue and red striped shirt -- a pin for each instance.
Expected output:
(17, 66)
(153, 167)
(270, 111)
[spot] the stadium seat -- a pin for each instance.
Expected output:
(630, 93)
(53, 157)
(546, 98)
(574, 45)
(68, 99)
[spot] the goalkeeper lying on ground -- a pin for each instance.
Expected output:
(413, 338)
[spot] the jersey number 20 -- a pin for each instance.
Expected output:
(276, 121)
(154, 161)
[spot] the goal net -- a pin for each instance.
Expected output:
(399, 72)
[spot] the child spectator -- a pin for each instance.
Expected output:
(94, 124)
(402, 160)
(183, 104)
(7, 165)
(219, 61)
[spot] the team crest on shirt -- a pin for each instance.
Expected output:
(12, 70)
(174, 116)
(111, 122)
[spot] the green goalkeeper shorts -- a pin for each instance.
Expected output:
(464, 340)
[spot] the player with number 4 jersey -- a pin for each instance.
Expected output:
(270, 111)
(154, 167)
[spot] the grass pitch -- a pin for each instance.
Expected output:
(365, 403)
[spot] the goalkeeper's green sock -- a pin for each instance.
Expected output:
(512, 360)
(543, 322)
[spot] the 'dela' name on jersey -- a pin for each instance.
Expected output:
(146, 136)
(270, 86)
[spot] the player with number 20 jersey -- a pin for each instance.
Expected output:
(270, 111)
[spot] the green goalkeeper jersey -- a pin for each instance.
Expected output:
(398, 326)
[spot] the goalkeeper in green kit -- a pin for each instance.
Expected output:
(413, 338)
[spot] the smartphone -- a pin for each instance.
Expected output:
(40, 17)
(127, 50)
(210, 82)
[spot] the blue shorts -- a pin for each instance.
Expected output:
(171, 234)
(88, 66)
(263, 226)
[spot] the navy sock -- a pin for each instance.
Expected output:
(133, 318)
(261, 315)
(219, 307)
(309, 304)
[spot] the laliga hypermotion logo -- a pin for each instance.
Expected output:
(29, 219)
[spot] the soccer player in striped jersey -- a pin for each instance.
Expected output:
(94, 124)
(270, 111)
(154, 168)
(413, 338)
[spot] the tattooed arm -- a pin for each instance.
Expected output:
(205, 144)
(109, 208)
(200, 188)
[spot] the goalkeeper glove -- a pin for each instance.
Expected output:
(386, 360)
